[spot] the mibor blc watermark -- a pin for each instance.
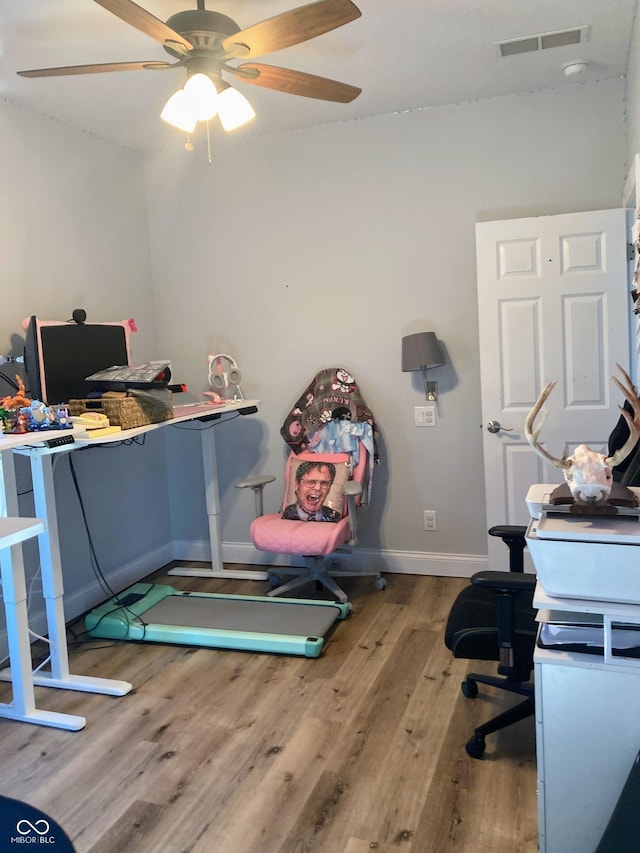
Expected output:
(38, 832)
(25, 827)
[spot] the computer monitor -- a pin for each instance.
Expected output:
(59, 355)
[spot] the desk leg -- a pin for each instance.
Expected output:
(217, 570)
(52, 589)
(14, 593)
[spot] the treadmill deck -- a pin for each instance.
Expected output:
(161, 614)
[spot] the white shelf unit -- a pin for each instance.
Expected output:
(587, 730)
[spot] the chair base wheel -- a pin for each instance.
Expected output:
(469, 689)
(274, 580)
(476, 746)
(380, 583)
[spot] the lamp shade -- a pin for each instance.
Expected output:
(234, 109)
(420, 351)
(177, 112)
(202, 96)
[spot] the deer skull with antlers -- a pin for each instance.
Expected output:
(588, 473)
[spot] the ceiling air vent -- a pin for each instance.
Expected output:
(543, 41)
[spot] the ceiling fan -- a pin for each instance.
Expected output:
(204, 43)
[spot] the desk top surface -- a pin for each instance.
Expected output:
(29, 441)
(14, 530)
(181, 414)
(11, 441)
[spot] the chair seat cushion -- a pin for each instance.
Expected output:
(302, 538)
(471, 631)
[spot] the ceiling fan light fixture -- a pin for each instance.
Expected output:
(201, 93)
(177, 112)
(234, 109)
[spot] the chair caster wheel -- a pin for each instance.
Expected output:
(476, 746)
(469, 689)
(380, 583)
(273, 580)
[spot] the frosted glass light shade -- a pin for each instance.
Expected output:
(177, 112)
(202, 96)
(234, 109)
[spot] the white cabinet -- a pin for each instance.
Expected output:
(588, 736)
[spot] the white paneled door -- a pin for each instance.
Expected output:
(553, 302)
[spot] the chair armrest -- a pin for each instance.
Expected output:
(513, 536)
(351, 487)
(257, 484)
(504, 531)
(351, 491)
(506, 586)
(505, 582)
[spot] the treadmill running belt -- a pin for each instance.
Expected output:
(236, 615)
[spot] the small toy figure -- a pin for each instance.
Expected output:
(20, 423)
(6, 420)
(18, 400)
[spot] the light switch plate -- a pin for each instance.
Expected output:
(424, 416)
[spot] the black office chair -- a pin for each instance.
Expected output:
(494, 619)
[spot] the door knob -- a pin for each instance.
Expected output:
(494, 426)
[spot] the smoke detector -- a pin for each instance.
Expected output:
(575, 68)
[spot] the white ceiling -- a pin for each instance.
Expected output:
(405, 54)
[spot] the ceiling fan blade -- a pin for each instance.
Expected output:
(299, 83)
(101, 68)
(144, 21)
(292, 27)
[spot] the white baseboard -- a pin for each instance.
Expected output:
(394, 562)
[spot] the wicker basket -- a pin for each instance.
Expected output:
(129, 412)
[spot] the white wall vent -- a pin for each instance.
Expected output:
(543, 41)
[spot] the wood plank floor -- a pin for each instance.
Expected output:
(234, 752)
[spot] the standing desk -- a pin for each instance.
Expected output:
(13, 531)
(40, 458)
(205, 413)
(212, 496)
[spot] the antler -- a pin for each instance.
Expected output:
(633, 422)
(532, 434)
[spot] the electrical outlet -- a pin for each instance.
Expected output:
(430, 521)
(424, 416)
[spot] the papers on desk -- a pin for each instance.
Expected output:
(582, 528)
(568, 629)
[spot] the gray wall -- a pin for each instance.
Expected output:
(292, 251)
(73, 233)
(327, 245)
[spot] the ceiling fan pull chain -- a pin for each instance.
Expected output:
(208, 143)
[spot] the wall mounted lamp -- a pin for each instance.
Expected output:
(422, 351)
